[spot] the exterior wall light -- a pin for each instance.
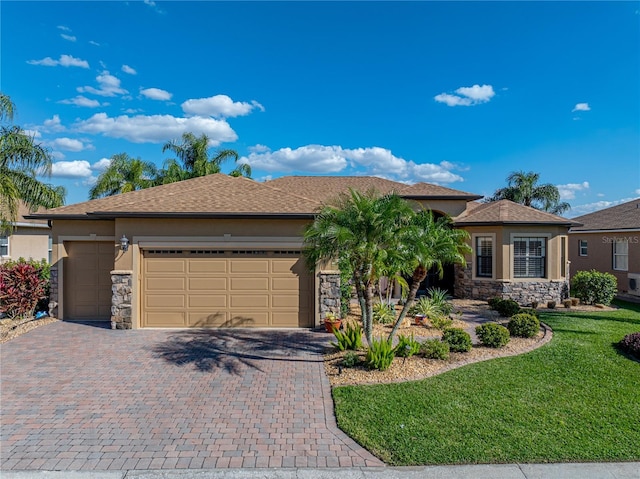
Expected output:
(124, 243)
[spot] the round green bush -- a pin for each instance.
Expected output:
(507, 308)
(493, 335)
(594, 287)
(458, 339)
(434, 349)
(493, 302)
(523, 325)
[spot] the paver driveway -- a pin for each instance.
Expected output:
(78, 396)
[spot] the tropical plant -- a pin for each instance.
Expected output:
(441, 298)
(350, 359)
(21, 161)
(193, 152)
(440, 321)
(350, 338)
(426, 244)
(365, 231)
(407, 346)
(426, 307)
(631, 344)
(380, 354)
(384, 313)
(124, 174)
(523, 188)
(21, 288)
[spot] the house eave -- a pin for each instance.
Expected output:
(511, 223)
(604, 230)
(442, 197)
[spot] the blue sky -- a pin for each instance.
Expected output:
(454, 93)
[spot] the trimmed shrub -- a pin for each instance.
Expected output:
(434, 349)
(493, 302)
(567, 303)
(631, 344)
(380, 354)
(458, 339)
(350, 338)
(523, 325)
(440, 322)
(507, 308)
(350, 359)
(551, 304)
(531, 311)
(407, 346)
(594, 287)
(493, 335)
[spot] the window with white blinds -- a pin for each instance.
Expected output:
(529, 257)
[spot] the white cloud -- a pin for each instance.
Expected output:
(129, 70)
(332, 159)
(70, 38)
(53, 124)
(69, 144)
(71, 169)
(568, 191)
(109, 86)
(581, 107)
(219, 106)
(637, 192)
(467, 96)
(81, 101)
(63, 28)
(101, 165)
(156, 128)
(156, 94)
(597, 206)
(64, 61)
(259, 148)
(32, 133)
(94, 43)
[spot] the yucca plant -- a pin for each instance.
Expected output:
(380, 354)
(350, 338)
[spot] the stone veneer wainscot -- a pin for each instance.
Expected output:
(329, 292)
(121, 299)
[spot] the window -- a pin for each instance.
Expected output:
(583, 247)
(620, 255)
(4, 246)
(529, 257)
(484, 256)
(50, 249)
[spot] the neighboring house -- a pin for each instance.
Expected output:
(218, 251)
(609, 241)
(29, 239)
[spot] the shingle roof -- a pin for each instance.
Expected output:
(24, 211)
(620, 217)
(212, 195)
(325, 188)
(507, 212)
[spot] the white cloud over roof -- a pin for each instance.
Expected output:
(71, 169)
(568, 191)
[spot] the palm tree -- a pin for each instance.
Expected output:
(193, 153)
(21, 161)
(429, 243)
(124, 174)
(523, 188)
(361, 230)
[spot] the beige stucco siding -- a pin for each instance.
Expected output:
(28, 243)
(448, 207)
(600, 254)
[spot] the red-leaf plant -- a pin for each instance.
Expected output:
(20, 289)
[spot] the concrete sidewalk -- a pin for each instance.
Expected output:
(613, 470)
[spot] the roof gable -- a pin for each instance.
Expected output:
(507, 212)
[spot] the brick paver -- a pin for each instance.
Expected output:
(76, 397)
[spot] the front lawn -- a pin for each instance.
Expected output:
(575, 399)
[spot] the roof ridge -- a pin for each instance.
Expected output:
(289, 193)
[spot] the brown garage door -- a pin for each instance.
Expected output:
(225, 289)
(87, 279)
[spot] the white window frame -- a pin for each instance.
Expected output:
(583, 247)
(547, 251)
(474, 259)
(617, 255)
(6, 238)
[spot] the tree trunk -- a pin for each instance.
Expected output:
(418, 277)
(369, 307)
(360, 292)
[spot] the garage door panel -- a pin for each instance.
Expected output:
(249, 266)
(249, 284)
(165, 284)
(230, 290)
(285, 301)
(207, 265)
(158, 265)
(169, 319)
(165, 301)
(249, 301)
(208, 301)
(207, 284)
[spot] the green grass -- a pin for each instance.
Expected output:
(575, 399)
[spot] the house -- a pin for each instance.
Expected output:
(218, 251)
(609, 241)
(29, 238)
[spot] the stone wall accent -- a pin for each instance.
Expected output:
(523, 292)
(53, 292)
(121, 299)
(329, 293)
